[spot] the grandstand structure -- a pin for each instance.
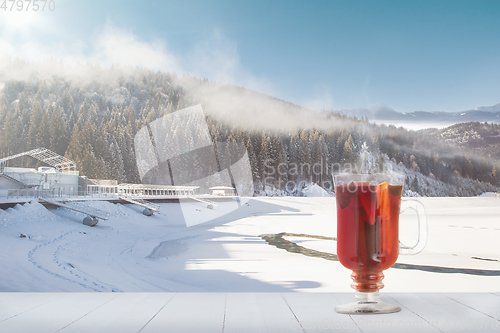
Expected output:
(147, 190)
(62, 179)
(60, 163)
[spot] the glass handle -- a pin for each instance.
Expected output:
(419, 209)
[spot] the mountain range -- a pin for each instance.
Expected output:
(385, 114)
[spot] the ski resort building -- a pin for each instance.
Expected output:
(60, 178)
(142, 190)
(222, 190)
(42, 182)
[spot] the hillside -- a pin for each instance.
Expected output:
(473, 138)
(92, 114)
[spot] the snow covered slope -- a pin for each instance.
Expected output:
(132, 252)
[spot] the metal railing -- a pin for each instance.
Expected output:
(34, 193)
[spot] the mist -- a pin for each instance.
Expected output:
(233, 95)
(247, 109)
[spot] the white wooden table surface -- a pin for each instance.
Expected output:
(242, 312)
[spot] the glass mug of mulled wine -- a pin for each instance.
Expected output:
(368, 209)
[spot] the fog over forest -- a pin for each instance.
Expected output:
(91, 114)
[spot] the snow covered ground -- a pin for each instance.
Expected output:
(132, 252)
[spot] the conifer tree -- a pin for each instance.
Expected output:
(253, 162)
(348, 155)
(34, 126)
(118, 170)
(44, 130)
(58, 131)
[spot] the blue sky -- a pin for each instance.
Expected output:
(410, 55)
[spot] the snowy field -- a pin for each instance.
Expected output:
(132, 252)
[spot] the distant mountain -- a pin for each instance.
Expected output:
(384, 113)
(494, 108)
(440, 116)
(380, 111)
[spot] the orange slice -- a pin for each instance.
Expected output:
(383, 202)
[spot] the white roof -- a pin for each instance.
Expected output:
(20, 170)
(221, 188)
(48, 170)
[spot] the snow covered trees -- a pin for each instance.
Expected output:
(94, 123)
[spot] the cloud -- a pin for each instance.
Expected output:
(117, 46)
(110, 46)
(215, 58)
(6, 48)
(322, 100)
